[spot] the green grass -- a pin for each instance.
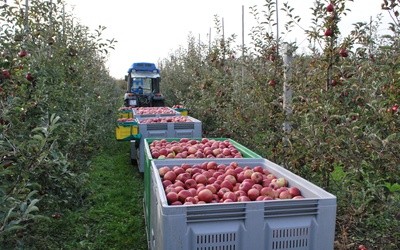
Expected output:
(112, 217)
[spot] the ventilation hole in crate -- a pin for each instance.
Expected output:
(222, 241)
(184, 126)
(157, 126)
(291, 238)
(184, 134)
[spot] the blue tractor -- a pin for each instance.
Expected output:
(143, 86)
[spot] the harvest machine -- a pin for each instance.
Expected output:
(143, 86)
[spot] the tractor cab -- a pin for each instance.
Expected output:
(143, 86)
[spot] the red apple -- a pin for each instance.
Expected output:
(268, 191)
(190, 201)
(217, 152)
(245, 186)
(212, 165)
(294, 191)
(163, 151)
(163, 170)
(194, 191)
(176, 203)
(243, 198)
(257, 177)
(343, 52)
(272, 83)
(221, 192)
(328, 32)
(201, 178)
(178, 170)
(257, 186)
(190, 183)
(22, 53)
(248, 173)
(170, 175)
(330, 8)
(205, 195)
(258, 169)
(166, 183)
(155, 154)
(183, 177)
(285, 195)
(29, 77)
(231, 179)
(172, 197)
(230, 195)
(6, 74)
(183, 194)
(227, 184)
(253, 193)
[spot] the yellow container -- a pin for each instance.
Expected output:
(125, 114)
(184, 112)
(126, 131)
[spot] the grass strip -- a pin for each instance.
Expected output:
(112, 217)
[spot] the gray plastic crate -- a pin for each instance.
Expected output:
(304, 224)
(172, 112)
(166, 130)
(245, 152)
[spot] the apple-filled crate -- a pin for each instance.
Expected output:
(236, 203)
(181, 109)
(147, 112)
(187, 148)
(166, 127)
(125, 112)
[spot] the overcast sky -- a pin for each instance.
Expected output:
(150, 30)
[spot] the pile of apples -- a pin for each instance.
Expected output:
(210, 182)
(153, 110)
(192, 148)
(125, 119)
(165, 119)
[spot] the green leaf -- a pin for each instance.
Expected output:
(38, 137)
(32, 207)
(28, 197)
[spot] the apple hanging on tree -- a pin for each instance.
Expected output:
(6, 74)
(395, 108)
(328, 32)
(330, 7)
(22, 53)
(29, 77)
(343, 52)
(272, 83)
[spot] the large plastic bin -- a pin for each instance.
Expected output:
(125, 131)
(305, 224)
(166, 130)
(125, 113)
(183, 111)
(245, 152)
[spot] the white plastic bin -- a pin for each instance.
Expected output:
(192, 129)
(305, 224)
